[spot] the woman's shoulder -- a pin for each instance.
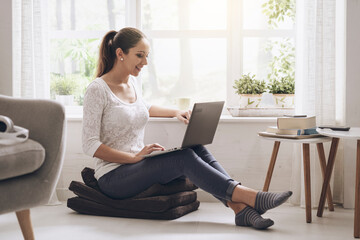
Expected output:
(96, 84)
(96, 88)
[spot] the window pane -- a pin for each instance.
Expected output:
(87, 14)
(256, 15)
(159, 14)
(264, 56)
(185, 68)
(208, 14)
(73, 63)
(183, 14)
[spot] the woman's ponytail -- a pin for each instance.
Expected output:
(106, 54)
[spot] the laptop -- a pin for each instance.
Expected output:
(201, 128)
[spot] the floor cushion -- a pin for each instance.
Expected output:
(85, 206)
(168, 201)
(147, 204)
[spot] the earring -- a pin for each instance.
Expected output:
(121, 59)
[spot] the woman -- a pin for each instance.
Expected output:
(114, 120)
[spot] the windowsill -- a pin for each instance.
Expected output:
(74, 114)
(223, 119)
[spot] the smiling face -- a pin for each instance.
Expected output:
(136, 57)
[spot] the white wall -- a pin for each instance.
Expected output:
(352, 71)
(236, 146)
(5, 47)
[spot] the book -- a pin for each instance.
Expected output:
(274, 135)
(275, 130)
(296, 122)
(295, 115)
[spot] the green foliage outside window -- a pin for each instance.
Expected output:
(282, 66)
(277, 10)
(82, 53)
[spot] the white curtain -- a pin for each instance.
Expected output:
(317, 91)
(30, 49)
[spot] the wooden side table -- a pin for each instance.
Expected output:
(353, 133)
(306, 159)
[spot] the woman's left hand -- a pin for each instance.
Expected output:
(183, 116)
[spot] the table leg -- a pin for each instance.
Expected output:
(328, 172)
(271, 166)
(357, 193)
(321, 153)
(306, 159)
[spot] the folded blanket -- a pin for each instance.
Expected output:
(85, 206)
(147, 204)
(175, 186)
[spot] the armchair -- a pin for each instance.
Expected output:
(45, 120)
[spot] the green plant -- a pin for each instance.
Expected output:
(249, 85)
(277, 10)
(63, 85)
(286, 85)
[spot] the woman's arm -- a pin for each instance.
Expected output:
(109, 154)
(183, 116)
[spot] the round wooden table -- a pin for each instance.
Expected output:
(353, 133)
(306, 160)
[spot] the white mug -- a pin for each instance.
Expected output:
(183, 103)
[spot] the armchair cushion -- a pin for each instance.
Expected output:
(20, 159)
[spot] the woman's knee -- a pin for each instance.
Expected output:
(189, 153)
(199, 148)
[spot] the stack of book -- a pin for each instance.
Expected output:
(294, 127)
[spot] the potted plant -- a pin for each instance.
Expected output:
(283, 91)
(63, 88)
(250, 90)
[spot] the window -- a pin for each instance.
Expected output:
(198, 47)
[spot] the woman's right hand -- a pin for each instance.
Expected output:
(147, 150)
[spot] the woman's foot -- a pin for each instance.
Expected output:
(266, 200)
(249, 217)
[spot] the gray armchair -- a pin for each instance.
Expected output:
(45, 120)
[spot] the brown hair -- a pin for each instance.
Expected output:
(125, 39)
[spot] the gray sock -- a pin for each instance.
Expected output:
(249, 217)
(266, 200)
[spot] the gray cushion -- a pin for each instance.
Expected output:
(20, 159)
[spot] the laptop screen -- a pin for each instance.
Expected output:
(203, 123)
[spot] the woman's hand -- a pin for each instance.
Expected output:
(147, 150)
(183, 116)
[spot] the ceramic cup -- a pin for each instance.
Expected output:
(183, 103)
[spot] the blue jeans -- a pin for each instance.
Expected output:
(196, 163)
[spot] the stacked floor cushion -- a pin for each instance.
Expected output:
(165, 202)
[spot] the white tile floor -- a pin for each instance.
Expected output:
(211, 221)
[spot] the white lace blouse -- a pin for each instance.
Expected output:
(109, 120)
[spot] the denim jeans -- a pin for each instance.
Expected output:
(196, 163)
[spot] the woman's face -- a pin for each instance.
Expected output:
(136, 58)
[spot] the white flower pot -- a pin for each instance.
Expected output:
(250, 100)
(284, 100)
(67, 100)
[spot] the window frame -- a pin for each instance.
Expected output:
(234, 35)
